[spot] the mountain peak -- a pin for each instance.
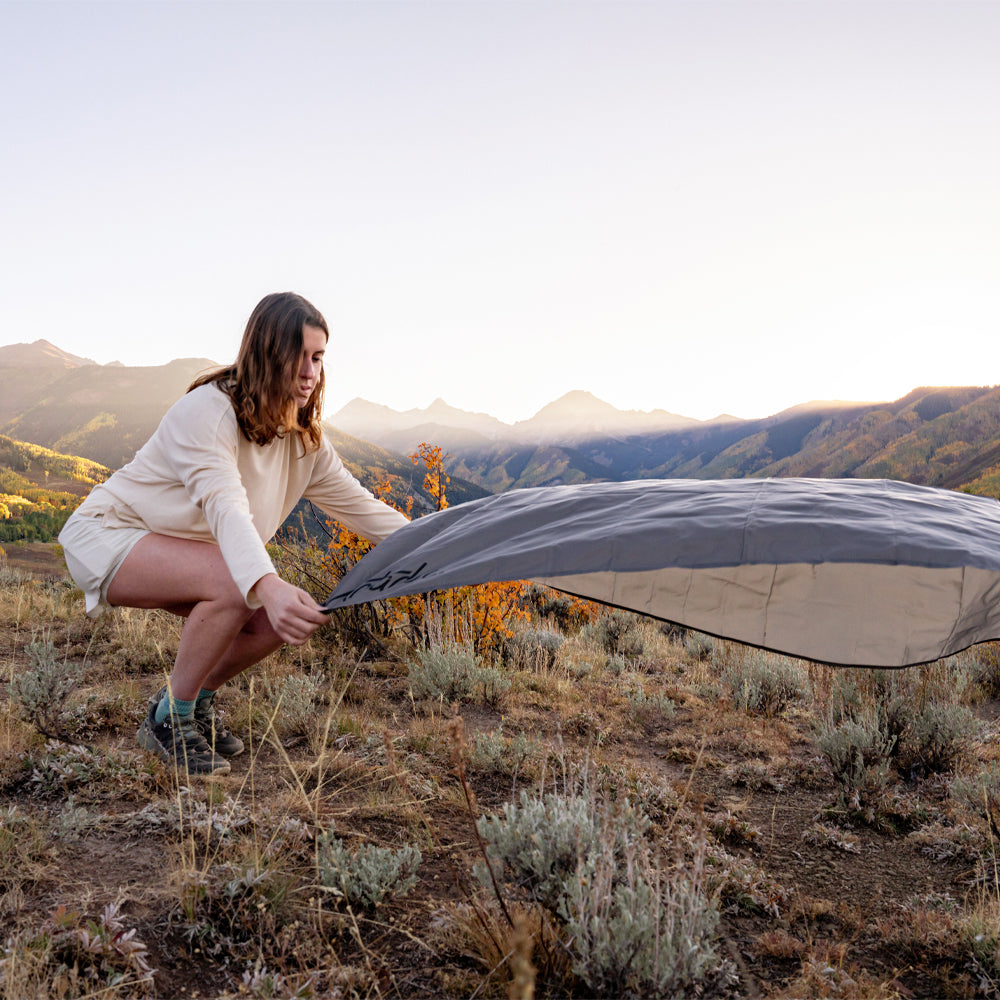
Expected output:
(580, 414)
(363, 418)
(574, 403)
(40, 354)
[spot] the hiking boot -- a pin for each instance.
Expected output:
(177, 740)
(210, 725)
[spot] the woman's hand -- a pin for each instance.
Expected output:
(293, 614)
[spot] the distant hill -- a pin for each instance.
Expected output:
(947, 437)
(399, 430)
(75, 406)
(368, 462)
(50, 469)
(581, 416)
(371, 465)
(39, 354)
(935, 436)
(39, 489)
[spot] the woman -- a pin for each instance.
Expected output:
(183, 526)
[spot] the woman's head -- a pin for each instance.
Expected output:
(281, 355)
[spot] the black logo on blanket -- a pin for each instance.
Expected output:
(378, 584)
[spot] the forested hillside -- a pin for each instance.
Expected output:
(39, 489)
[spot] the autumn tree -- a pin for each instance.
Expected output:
(481, 616)
(436, 480)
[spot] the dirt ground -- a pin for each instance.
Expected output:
(866, 918)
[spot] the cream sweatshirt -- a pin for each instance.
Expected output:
(199, 477)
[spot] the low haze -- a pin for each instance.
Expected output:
(701, 207)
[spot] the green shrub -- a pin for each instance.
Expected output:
(643, 701)
(113, 772)
(538, 840)
(859, 751)
(637, 930)
(496, 752)
(936, 736)
(366, 876)
(616, 633)
(228, 909)
(616, 665)
(454, 674)
(980, 792)
(295, 699)
(919, 711)
(491, 687)
(443, 674)
(42, 691)
(536, 844)
(761, 682)
(699, 646)
(73, 821)
(632, 927)
(986, 668)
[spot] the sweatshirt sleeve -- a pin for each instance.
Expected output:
(203, 450)
(337, 493)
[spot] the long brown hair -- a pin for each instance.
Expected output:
(259, 383)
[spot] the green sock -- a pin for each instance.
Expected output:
(181, 708)
(205, 693)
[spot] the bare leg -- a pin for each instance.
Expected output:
(221, 636)
(255, 641)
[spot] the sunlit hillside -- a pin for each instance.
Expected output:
(103, 412)
(39, 488)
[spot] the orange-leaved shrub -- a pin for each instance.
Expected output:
(481, 616)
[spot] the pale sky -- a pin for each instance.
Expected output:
(698, 206)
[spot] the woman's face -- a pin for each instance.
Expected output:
(310, 364)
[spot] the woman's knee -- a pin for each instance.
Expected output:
(230, 600)
(259, 624)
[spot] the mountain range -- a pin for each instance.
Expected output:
(946, 437)
(75, 407)
(576, 416)
(942, 436)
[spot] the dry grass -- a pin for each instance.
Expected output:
(215, 886)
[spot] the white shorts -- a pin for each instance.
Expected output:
(94, 554)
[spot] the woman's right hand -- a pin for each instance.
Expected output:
(293, 614)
